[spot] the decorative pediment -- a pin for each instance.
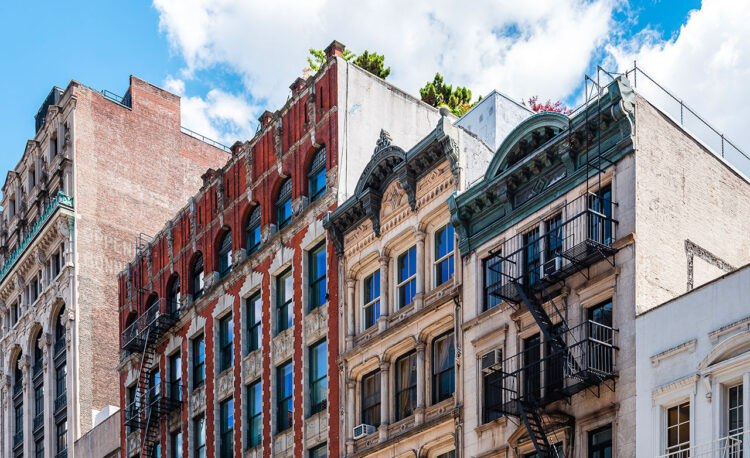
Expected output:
(527, 137)
(384, 159)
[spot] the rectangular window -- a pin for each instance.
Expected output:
(451, 454)
(33, 291)
(371, 399)
(255, 404)
(60, 373)
(492, 268)
(39, 400)
(443, 361)
(407, 277)
(226, 447)
(444, 259)
(371, 309)
(531, 256)
(199, 361)
(600, 442)
(318, 377)
(175, 441)
(406, 385)
(255, 328)
(532, 366)
(317, 264)
(61, 430)
(678, 430)
(19, 420)
(284, 387)
(56, 264)
(226, 342)
(553, 369)
(600, 216)
(553, 237)
(154, 381)
(131, 409)
(175, 376)
(492, 393)
(601, 334)
(319, 451)
(199, 430)
(735, 410)
(39, 448)
(284, 295)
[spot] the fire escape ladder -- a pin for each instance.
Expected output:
(531, 415)
(145, 411)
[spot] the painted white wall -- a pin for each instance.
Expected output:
(704, 341)
(493, 118)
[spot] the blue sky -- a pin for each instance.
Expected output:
(231, 62)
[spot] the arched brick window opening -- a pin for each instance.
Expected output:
(316, 174)
(196, 275)
(224, 252)
(173, 293)
(252, 230)
(284, 204)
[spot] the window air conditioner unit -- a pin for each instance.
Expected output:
(551, 267)
(363, 430)
(491, 361)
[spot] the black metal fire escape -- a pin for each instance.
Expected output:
(155, 398)
(528, 267)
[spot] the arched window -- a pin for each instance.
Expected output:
(225, 253)
(252, 230)
(196, 275)
(316, 176)
(17, 376)
(284, 204)
(38, 354)
(59, 333)
(173, 293)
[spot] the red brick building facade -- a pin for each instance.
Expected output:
(235, 300)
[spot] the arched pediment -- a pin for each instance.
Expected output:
(384, 159)
(728, 349)
(531, 133)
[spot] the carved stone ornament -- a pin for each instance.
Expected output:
(383, 142)
(63, 227)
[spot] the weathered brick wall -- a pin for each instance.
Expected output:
(133, 168)
(683, 192)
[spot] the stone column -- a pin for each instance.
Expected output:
(350, 386)
(28, 401)
(384, 305)
(419, 296)
(71, 380)
(48, 375)
(350, 311)
(419, 412)
(385, 399)
(8, 431)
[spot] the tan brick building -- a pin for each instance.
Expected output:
(99, 170)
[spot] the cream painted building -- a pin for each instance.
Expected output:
(401, 393)
(580, 223)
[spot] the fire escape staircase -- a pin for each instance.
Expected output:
(153, 400)
(576, 359)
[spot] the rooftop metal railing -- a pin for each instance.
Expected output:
(205, 139)
(730, 446)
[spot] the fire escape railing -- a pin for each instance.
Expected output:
(567, 360)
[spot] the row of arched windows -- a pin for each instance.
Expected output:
(283, 206)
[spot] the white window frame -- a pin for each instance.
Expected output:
(372, 302)
(437, 262)
(399, 285)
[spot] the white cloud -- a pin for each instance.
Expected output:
(707, 65)
(522, 48)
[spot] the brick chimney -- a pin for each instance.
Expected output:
(297, 85)
(335, 49)
(265, 118)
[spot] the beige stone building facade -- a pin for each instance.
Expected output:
(72, 208)
(580, 223)
(400, 331)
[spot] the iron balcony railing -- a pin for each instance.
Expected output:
(60, 200)
(205, 139)
(149, 326)
(61, 401)
(540, 375)
(132, 414)
(580, 234)
(125, 100)
(165, 397)
(730, 446)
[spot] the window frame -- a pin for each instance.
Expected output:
(175, 443)
(283, 203)
(199, 436)
(590, 447)
(198, 344)
(487, 415)
(552, 224)
(174, 374)
(317, 166)
(226, 342)
(488, 299)
(374, 302)
(256, 439)
(226, 427)
(408, 282)
(254, 323)
(224, 253)
(437, 374)
(680, 445)
(739, 408)
(318, 405)
(312, 453)
(197, 275)
(174, 293)
(283, 398)
(411, 389)
(283, 304)
(448, 257)
(375, 406)
(61, 435)
(315, 278)
(252, 227)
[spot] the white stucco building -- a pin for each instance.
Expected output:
(693, 366)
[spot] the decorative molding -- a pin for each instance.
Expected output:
(682, 384)
(688, 346)
(742, 324)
